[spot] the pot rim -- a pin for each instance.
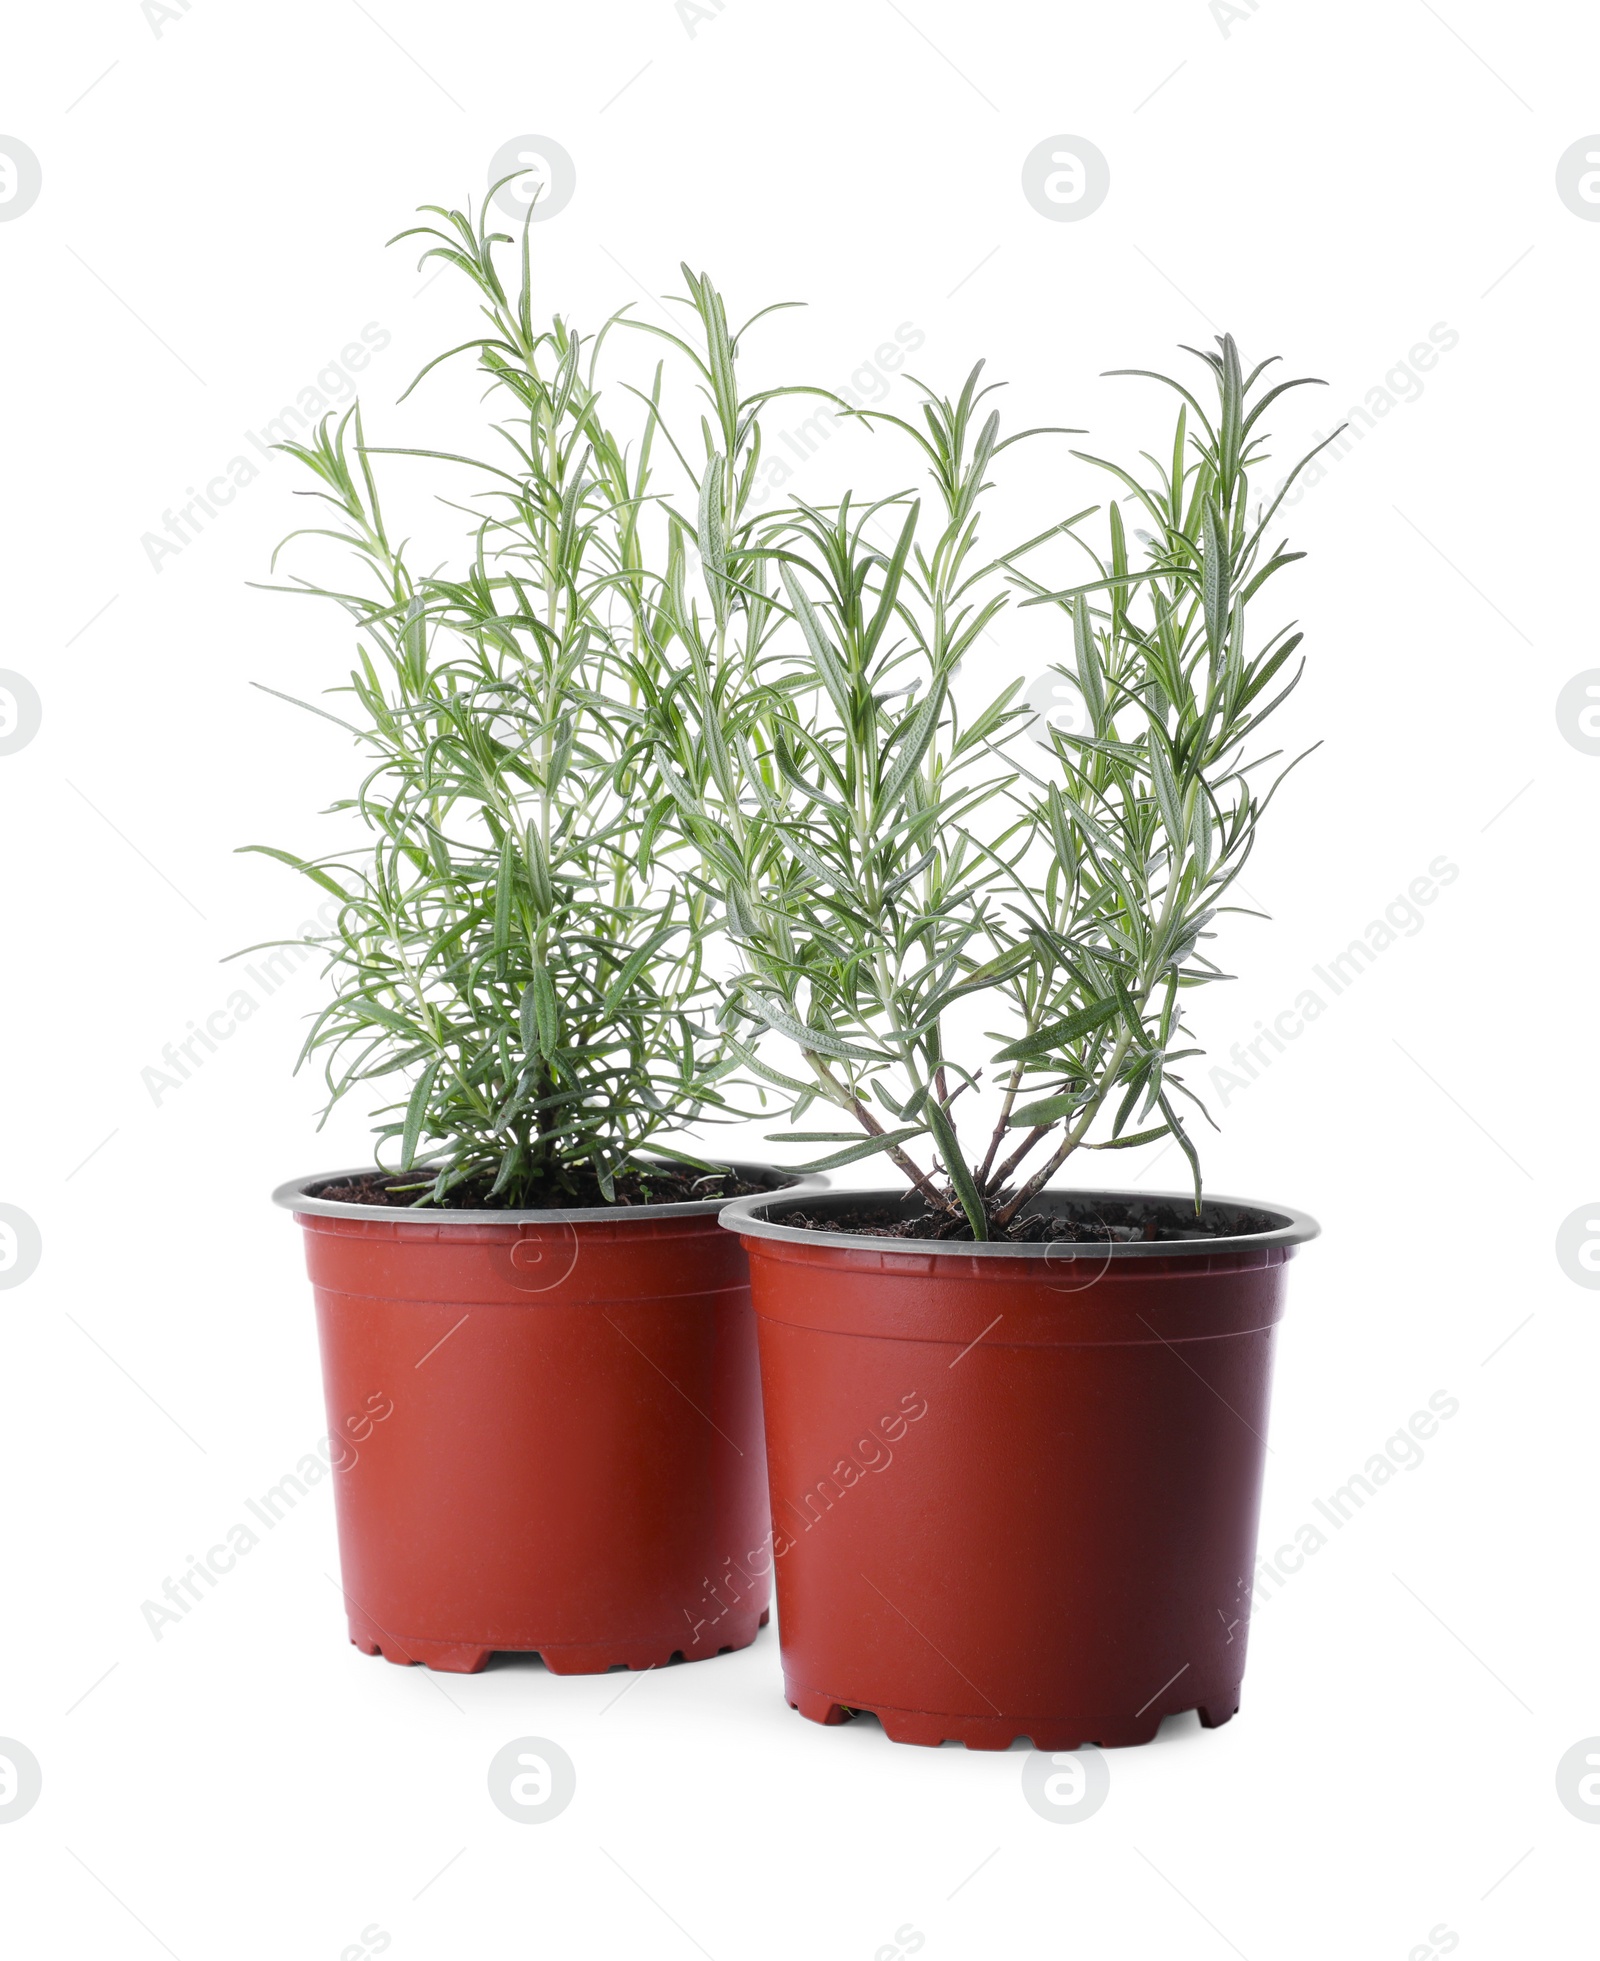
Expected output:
(294, 1197)
(750, 1217)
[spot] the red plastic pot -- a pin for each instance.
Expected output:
(545, 1429)
(1014, 1490)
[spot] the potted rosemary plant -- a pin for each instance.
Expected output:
(928, 915)
(531, 1282)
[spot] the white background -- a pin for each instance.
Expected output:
(1327, 183)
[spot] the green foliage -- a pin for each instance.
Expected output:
(663, 786)
(827, 780)
(880, 860)
(515, 950)
(1154, 809)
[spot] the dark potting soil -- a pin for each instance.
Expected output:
(1090, 1221)
(650, 1185)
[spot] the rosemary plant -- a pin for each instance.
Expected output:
(879, 859)
(629, 732)
(1155, 809)
(515, 951)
